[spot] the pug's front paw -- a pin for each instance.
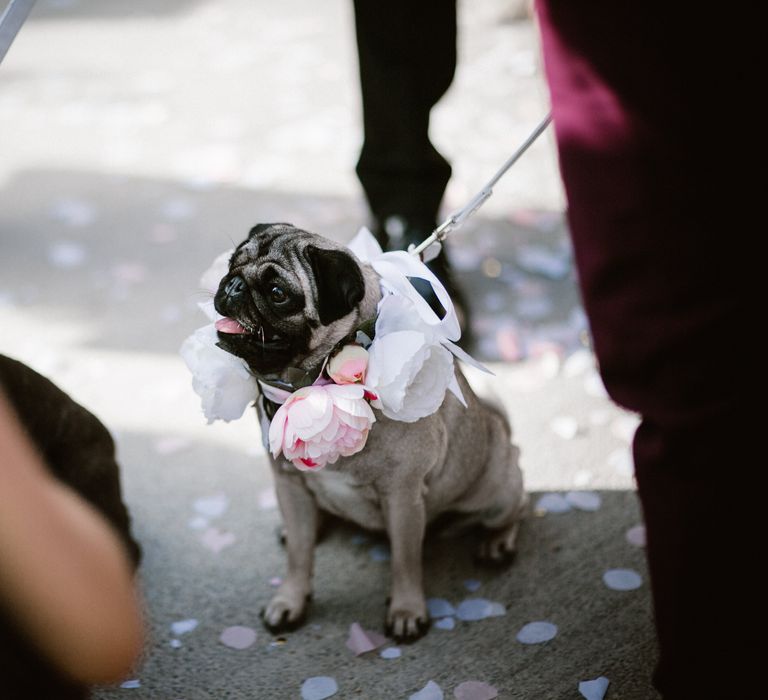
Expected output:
(286, 611)
(406, 620)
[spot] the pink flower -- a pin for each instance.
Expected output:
(320, 423)
(349, 365)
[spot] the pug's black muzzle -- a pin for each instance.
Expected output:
(263, 347)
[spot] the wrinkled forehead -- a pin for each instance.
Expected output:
(279, 242)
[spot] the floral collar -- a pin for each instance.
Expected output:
(402, 366)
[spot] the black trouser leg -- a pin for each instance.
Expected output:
(407, 54)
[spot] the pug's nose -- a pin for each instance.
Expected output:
(235, 287)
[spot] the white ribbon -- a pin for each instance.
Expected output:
(394, 268)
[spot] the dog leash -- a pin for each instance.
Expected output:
(10, 23)
(458, 217)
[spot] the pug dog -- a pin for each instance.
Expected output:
(289, 298)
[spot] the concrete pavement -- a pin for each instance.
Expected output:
(138, 141)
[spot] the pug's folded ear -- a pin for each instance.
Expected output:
(340, 283)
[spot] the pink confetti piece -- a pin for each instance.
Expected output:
(636, 535)
(431, 691)
(537, 632)
(134, 683)
(475, 690)
(319, 688)
(622, 579)
(509, 345)
(162, 233)
(130, 272)
(275, 581)
(170, 445)
(361, 641)
(594, 689)
(238, 637)
(216, 540)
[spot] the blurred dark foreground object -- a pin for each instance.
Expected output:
(80, 453)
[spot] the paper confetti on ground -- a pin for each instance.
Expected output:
(636, 535)
(361, 641)
(578, 363)
(620, 460)
(73, 212)
(183, 626)
(212, 506)
(175, 644)
(379, 552)
(391, 653)
(594, 689)
(131, 684)
(584, 500)
(267, 499)
(216, 540)
(445, 623)
(170, 445)
(622, 579)
(439, 607)
(67, 255)
(582, 478)
(238, 637)
(474, 609)
(475, 690)
(566, 427)
(431, 691)
(319, 688)
(536, 632)
(472, 584)
(552, 503)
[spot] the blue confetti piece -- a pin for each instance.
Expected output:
(379, 552)
(319, 688)
(431, 691)
(131, 684)
(594, 689)
(553, 503)
(536, 632)
(473, 609)
(472, 584)
(622, 579)
(391, 653)
(439, 607)
(445, 623)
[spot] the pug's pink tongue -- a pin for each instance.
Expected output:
(229, 325)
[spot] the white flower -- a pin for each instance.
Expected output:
(409, 370)
(216, 272)
(222, 380)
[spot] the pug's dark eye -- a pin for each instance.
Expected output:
(277, 295)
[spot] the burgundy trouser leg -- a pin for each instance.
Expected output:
(663, 288)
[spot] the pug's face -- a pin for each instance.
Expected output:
(288, 298)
